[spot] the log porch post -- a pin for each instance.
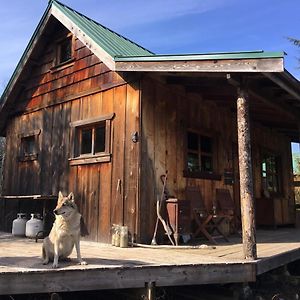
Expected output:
(246, 180)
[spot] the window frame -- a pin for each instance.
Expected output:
(31, 156)
(58, 64)
(77, 158)
(265, 153)
(201, 174)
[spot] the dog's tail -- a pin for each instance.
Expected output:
(43, 252)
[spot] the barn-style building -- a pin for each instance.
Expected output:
(92, 112)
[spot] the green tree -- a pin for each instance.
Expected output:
(295, 42)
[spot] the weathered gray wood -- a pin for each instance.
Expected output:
(276, 261)
(116, 268)
(123, 277)
(92, 120)
(246, 180)
(241, 65)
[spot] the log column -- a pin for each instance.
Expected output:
(246, 180)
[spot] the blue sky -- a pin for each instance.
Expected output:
(167, 26)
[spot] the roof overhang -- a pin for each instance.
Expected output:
(255, 61)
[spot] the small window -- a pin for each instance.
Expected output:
(64, 51)
(29, 145)
(270, 173)
(199, 153)
(92, 140)
(200, 156)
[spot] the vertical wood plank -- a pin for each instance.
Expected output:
(118, 148)
(132, 159)
(148, 189)
(105, 180)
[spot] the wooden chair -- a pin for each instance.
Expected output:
(226, 207)
(200, 214)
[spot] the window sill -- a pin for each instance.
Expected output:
(63, 65)
(28, 157)
(90, 159)
(202, 175)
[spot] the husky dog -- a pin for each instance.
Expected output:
(65, 232)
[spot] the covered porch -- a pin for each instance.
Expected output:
(219, 124)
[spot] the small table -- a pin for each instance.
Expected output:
(179, 212)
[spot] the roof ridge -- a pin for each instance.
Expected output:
(99, 24)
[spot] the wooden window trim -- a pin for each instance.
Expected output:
(91, 158)
(30, 156)
(210, 175)
(278, 174)
(202, 175)
(57, 65)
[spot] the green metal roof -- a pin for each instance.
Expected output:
(116, 46)
(111, 42)
(203, 56)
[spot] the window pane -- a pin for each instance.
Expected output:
(86, 141)
(65, 51)
(100, 139)
(270, 183)
(193, 162)
(206, 144)
(192, 141)
(206, 163)
(28, 145)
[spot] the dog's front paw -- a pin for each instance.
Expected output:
(54, 266)
(83, 263)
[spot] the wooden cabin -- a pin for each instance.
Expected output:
(91, 112)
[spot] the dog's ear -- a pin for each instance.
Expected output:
(60, 195)
(71, 197)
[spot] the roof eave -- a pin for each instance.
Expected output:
(287, 82)
(265, 64)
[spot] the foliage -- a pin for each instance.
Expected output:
(296, 43)
(296, 164)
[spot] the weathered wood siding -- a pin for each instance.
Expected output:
(53, 98)
(167, 113)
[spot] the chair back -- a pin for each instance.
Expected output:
(224, 200)
(193, 194)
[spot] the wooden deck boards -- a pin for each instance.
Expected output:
(22, 271)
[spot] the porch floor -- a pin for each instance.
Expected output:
(22, 271)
